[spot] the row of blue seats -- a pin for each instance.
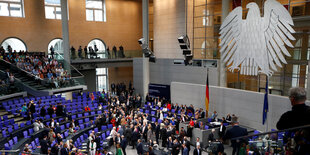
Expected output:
(28, 99)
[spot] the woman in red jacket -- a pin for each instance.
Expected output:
(192, 123)
(113, 121)
(169, 106)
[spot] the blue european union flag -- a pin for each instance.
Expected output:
(265, 110)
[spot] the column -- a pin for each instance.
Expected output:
(223, 76)
(65, 34)
(145, 20)
(141, 75)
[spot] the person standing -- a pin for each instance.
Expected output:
(185, 150)
(52, 51)
(64, 150)
(197, 150)
(114, 51)
(108, 53)
(234, 132)
(80, 52)
(124, 144)
(222, 130)
(298, 116)
(44, 145)
(92, 147)
(118, 150)
(85, 52)
(157, 131)
(139, 148)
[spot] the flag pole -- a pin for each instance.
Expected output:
(207, 94)
(267, 85)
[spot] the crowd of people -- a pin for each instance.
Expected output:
(92, 52)
(131, 127)
(42, 67)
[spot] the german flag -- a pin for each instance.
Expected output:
(207, 95)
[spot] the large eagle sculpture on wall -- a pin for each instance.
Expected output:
(256, 44)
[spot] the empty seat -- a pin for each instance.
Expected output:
(10, 130)
(7, 147)
(15, 126)
(5, 117)
(33, 145)
(62, 127)
(25, 133)
(153, 119)
(28, 123)
(37, 141)
(66, 134)
(11, 143)
(4, 133)
(15, 140)
(30, 131)
(206, 127)
(104, 127)
(110, 126)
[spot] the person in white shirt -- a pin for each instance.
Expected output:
(92, 147)
(113, 133)
(52, 123)
(36, 126)
(41, 125)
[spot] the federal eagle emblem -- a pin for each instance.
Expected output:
(256, 44)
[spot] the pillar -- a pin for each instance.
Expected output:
(223, 76)
(65, 34)
(145, 20)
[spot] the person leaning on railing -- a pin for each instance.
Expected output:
(298, 116)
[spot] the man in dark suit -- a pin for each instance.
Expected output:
(44, 145)
(128, 134)
(197, 150)
(57, 129)
(64, 150)
(157, 131)
(211, 137)
(135, 137)
(185, 150)
(59, 109)
(55, 149)
(124, 144)
(144, 132)
(222, 130)
(187, 144)
(139, 147)
(235, 131)
(164, 136)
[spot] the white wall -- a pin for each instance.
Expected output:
(169, 24)
(164, 71)
(247, 105)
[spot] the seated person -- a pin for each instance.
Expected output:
(87, 108)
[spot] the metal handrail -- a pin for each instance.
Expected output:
(10, 151)
(271, 132)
